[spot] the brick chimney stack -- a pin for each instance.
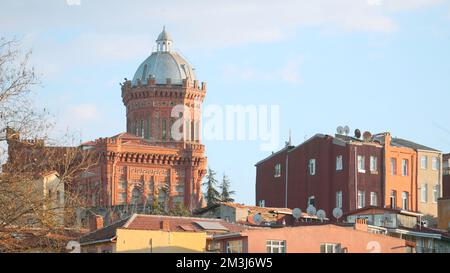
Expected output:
(96, 223)
(361, 224)
(164, 225)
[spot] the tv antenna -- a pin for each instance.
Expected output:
(346, 130)
(337, 213)
(321, 214)
(311, 210)
(296, 213)
(257, 218)
(357, 133)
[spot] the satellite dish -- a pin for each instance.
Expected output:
(297, 213)
(346, 130)
(367, 136)
(337, 213)
(357, 133)
(340, 130)
(257, 218)
(311, 210)
(321, 214)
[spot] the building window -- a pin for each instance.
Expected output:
(262, 203)
(339, 166)
(234, 246)
(361, 164)
(373, 199)
(164, 129)
(373, 164)
(312, 167)
(424, 162)
(393, 199)
(405, 200)
(122, 198)
(142, 129)
(277, 172)
(122, 185)
(148, 132)
(435, 193)
(339, 199)
(330, 248)
(404, 167)
(311, 201)
(393, 166)
(435, 164)
(273, 246)
(361, 199)
(424, 193)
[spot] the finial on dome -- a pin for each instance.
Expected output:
(164, 41)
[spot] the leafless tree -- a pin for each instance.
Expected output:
(30, 155)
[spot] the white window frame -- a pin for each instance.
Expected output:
(405, 200)
(330, 248)
(424, 193)
(436, 190)
(262, 203)
(361, 199)
(373, 199)
(339, 163)
(230, 249)
(424, 162)
(277, 170)
(309, 200)
(373, 164)
(279, 245)
(312, 166)
(393, 165)
(361, 164)
(405, 167)
(339, 199)
(435, 163)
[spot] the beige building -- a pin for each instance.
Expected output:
(429, 176)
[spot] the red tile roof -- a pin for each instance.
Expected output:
(180, 224)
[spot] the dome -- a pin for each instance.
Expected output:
(164, 64)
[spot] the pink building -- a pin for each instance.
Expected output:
(324, 238)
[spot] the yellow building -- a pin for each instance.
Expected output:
(159, 241)
(156, 234)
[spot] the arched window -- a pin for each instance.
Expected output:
(136, 196)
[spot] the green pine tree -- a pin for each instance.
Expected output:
(212, 196)
(226, 193)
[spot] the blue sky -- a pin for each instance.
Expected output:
(377, 65)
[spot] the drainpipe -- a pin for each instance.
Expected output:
(286, 180)
(356, 178)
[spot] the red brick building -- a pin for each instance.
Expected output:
(446, 176)
(161, 155)
(324, 171)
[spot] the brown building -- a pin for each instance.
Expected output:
(446, 176)
(324, 171)
(160, 156)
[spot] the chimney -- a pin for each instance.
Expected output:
(361, 224)
(387, 140)
(96, 222)
(164, 225)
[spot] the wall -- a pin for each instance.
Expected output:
(431, 178)
(138, 241)
(307, 239)
(443, 213)
(398, 182)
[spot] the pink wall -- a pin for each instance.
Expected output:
(307, 239)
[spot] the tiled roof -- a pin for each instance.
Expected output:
(410, 144)
(180, 224)
(257, 208)
(105, 233)
(373, 209)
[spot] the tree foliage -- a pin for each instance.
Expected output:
(212, 195)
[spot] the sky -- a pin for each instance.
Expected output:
(376, 65)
